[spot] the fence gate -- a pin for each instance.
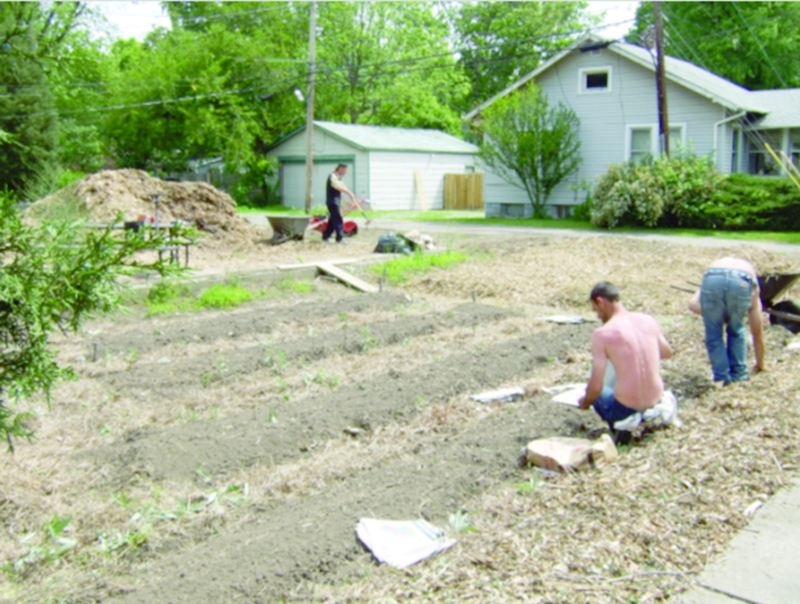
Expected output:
(463, 191)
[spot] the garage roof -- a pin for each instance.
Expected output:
(390, 138)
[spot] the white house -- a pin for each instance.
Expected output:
(611, 86)
(382, 161)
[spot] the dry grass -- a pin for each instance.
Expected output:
(637, 531)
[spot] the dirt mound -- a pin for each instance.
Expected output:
(105, 194)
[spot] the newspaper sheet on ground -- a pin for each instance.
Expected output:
(568, 394)
(401, 543)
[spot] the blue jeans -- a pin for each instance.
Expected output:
(609, 408)
(725, 298)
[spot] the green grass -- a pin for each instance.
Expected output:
(403, 269)
(476, 217)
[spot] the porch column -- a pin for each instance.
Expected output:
(786, 145)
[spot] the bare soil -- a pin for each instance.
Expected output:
(226, 456)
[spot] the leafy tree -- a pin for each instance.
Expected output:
(751, 43)
(499, 42)
(33, 37)
(387, 63)
(525, 140)
(53, 277)
(200, 92)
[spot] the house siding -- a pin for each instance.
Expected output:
(605, 118)
(393, 184)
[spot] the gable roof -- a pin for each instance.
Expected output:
(390, 138)
(782, 108)
(699, 80)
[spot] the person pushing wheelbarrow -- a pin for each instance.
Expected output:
(333, 198)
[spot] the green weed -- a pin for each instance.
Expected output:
(402, 270)
(533, 483)
(461, 522)
(53, 544)
(275, 358)
(368, 341)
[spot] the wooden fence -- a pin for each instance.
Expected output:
(463, 191)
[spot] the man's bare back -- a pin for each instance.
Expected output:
(634, 345)
(630, 341)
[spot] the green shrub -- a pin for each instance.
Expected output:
(758, 203)
(665, 191)
(583, 211)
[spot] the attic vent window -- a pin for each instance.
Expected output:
(597, 80)
(594, 80)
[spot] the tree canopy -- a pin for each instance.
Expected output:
(753, 44)
(34, 37)
(525, 140)
(500, 42)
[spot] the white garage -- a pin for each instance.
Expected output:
(384, 164)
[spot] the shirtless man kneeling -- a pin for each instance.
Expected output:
(632, 344)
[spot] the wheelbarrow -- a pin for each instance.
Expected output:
(785, 313)
(319, 222)
(286, 228)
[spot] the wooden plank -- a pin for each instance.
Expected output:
(347, 278)
(474, 191)
(289, 267)
(423, 205)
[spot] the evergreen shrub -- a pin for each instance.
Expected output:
(754, 203)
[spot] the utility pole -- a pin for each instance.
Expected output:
(661, 84)
(312, 57)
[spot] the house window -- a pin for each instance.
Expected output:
(594, 79)
(643, 140)
(758, 160)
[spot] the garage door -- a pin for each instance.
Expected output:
(294, 183)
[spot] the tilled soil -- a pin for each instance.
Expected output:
(277, 426)
(290, 543)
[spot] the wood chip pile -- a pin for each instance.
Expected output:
(109, 192)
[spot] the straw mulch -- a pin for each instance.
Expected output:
(639, 530)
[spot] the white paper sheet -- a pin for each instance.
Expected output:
(565, 319)
(506, 394)
(568, 394)
(401, 543)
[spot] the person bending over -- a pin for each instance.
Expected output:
(729, 292)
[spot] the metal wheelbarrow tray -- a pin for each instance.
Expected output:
(285, 228)
(785, 313)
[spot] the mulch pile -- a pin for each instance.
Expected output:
(109, 192)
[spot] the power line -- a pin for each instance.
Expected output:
(409, 60)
